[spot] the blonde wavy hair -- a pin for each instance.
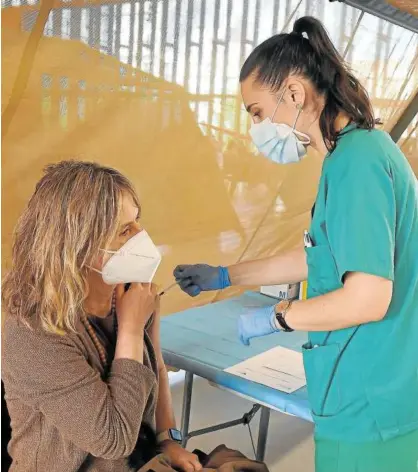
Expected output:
(73, 213)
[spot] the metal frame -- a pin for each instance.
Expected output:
(246, 419)
(405, 119)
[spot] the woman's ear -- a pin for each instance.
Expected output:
(297, 93)
(99, 260)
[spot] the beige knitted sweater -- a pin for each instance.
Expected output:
(64, 417)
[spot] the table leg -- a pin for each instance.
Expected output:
(187, 403)
(262, 433)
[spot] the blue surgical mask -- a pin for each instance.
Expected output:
(279, 142)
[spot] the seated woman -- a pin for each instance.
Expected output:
(86, 386)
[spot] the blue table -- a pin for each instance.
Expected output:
(203, 341)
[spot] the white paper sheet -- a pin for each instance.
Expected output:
(278, 368)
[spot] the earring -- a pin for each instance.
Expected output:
(299, 106)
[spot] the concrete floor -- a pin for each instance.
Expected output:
(290, 445)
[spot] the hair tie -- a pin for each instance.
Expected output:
(302, 34)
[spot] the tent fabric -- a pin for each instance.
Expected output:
(397, 12)
(410, 6)
(152, 89)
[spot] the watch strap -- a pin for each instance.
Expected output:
(281, 317)
(167, 435)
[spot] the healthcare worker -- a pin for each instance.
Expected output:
(360, 256)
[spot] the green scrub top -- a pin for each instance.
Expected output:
(363, 381)
(399, 454)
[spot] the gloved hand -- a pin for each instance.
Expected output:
(258, 322)
(197, 278)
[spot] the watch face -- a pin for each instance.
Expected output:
(175, 435)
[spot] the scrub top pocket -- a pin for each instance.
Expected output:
(322, 271)
(321, 364)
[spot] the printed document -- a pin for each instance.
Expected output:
(278, 368)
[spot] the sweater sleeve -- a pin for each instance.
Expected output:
(51, 374)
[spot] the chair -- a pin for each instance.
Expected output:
(6, 433)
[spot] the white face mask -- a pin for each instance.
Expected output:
(278, 141)
(136, 261)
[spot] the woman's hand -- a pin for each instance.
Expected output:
(179, 457)
(197, 278)
(153, 329)
(257, 322)
(135, 306)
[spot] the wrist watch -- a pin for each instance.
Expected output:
(280, 311)
(170, 434)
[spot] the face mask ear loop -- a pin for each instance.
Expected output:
(298, 133)
(94, 270)
(109, 251)
(299, 111)
(277, 106)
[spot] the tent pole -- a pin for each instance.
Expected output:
(405, 119)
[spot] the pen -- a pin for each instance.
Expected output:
(307, 239)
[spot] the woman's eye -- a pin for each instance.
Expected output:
(126, 232)
(257, 115)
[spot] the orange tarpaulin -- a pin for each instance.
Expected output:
(152, 89)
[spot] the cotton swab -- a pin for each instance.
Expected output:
(167, 289)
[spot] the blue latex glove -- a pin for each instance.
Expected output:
(258, 322)
(197, 278)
